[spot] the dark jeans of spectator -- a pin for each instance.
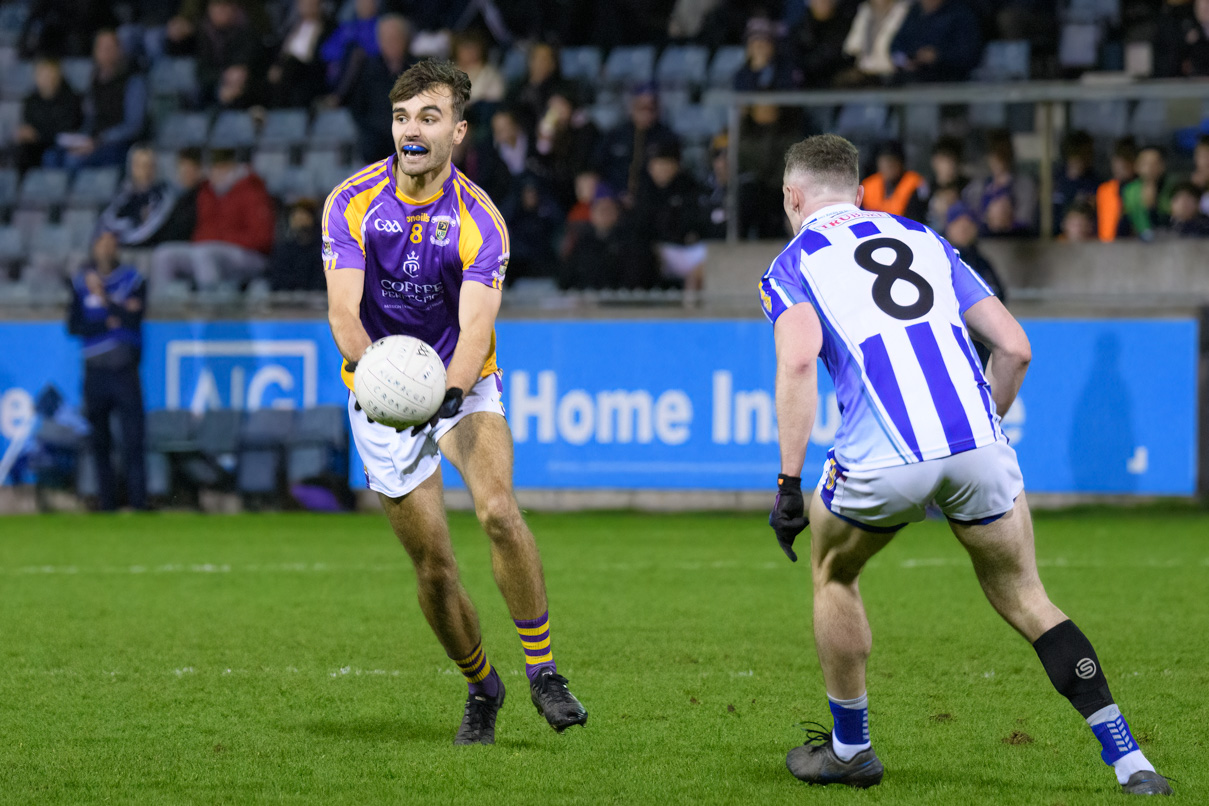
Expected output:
(107, 391)
(104, 155)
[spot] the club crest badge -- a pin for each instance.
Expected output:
(412, 264)
(328, 252)
(442, 224)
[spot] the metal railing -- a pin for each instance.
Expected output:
(1045, 94)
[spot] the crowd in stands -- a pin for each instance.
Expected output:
(210, 131)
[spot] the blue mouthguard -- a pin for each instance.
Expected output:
(414, 149)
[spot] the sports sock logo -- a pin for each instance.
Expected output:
(1085, 669)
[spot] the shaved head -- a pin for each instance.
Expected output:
(825, 164)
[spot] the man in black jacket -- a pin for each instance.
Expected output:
(51, 109)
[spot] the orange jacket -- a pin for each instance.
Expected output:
(1108, 210)
(896, 203)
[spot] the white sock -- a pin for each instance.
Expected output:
(1128, 764)
(845, 752)
(860, 704)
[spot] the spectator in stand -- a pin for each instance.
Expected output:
(948, 181)
(62, 29)
(868, 43)
(606, 254)
(621, 155)
(1187, 220)
(1075, 180)
(181, 31)
(1194, 53)
(894, 189)
(688, 17)
(578, 221)
(766, 134)
(189, 178)
(53, 108)
(1111, 221)
(511, 142)
(296, 263)
(477, 158)
(486, 82)
(234, 231)
(107, 304)
(938, 41)
(368, 82)
(1147, 199)
(1200, 170)
(765, 68)
(1078, 224)
(961, 231)
(566, 141)
(668, 215)
(1005, 189)
(228, 57)
(819, 40)
(542, 79)
(144, 204)
(115, 112)
(359, 33)
(534, 221)
(296, 77)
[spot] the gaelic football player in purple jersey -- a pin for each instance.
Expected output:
(412, 247)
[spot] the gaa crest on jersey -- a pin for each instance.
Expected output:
(440, 233)
(328, 252)
(412, 264)
(765, 299)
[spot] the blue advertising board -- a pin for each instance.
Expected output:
(1108, 405)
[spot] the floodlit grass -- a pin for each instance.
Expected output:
(282, 659)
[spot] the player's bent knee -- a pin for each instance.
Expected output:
(436, 573)
(500, 517)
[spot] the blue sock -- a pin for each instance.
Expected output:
(1113, 734)
(850, 733)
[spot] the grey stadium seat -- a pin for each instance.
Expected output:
(630, 65)
(8, 187)
(16, 81)
(171, 431)
(233, 129)
(514, 65)
(726, 62)
(1100, 118)
(283, 128)
(81, 225)
(581, 64)
(333, 127)
(183, 130)
(43, 187)
(698, 124)
(93, 187)
(77, 72)
(682, 66)
(1004, 60)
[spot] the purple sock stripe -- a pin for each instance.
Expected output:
(472, 661)
(537, 653)
(540, 621)
(532, 639)
(471, 671)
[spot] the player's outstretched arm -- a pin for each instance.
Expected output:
(799, 338)
(1011, 353)
(477, 308)
(344, 290)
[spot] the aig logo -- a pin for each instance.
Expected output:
(388, 226)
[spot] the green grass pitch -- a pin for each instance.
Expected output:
(183, 659)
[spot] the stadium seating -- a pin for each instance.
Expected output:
(698, 124)
(318, 445)
(581, 64)
(93, 187)
(283, 128)
(217, 439)
(8, 188)
(80, 225)
(16, 81)
(514, 65)
(12, 248)
(183, 130)
(42, 188)
(174, 77)
(233, 129)
(1100, 118)
(726, 62)
(630, 65)
(262, 439)
(1149, 120)
(10, 118)
(333, 128)
(1004, 60)
(864, 121)
(682, 66)
(77, 73)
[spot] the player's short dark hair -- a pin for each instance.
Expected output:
(428, 75)
(829, 159)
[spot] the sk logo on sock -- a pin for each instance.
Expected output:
(1085, 669)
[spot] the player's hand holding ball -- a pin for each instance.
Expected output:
(399, 382)
(788, 516)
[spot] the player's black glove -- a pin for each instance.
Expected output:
(788, 516)
(351, 366)
(451, 406)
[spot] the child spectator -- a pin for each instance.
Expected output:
(1078, 223)
(1111, 221)
(948, 181)
(1147, 199)
(1005, 189)
(1187, 220)
(1075, 180)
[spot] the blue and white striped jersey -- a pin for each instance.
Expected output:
(890, 294)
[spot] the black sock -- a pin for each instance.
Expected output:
(1073, 668)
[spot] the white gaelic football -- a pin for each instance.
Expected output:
(400, 381)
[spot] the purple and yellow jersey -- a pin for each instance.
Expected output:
(415, 254)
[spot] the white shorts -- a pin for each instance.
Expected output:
(397, 463)
(976, 487)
